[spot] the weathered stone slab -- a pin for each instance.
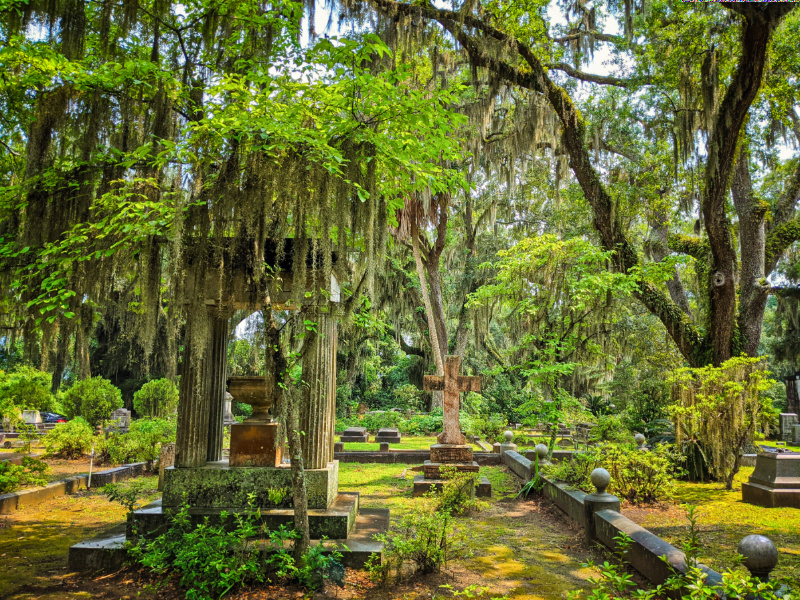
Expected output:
(355, 434)
(217, 485)
(422, 486)
(121, 418)
(389, 435)
(451, 453)
(432, 470)
(787, 421)
(796, 435)
(165, 460)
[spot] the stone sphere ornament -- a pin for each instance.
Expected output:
(509, 435)
(640, 439)
(600, 479)
(760, 555)
(541, 452)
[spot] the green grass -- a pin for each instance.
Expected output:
(774, 444)
(724, 520)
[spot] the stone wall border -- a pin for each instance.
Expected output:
(35, 496)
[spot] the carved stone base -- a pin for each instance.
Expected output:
(432, 470)
(253, 445)
(451, 453)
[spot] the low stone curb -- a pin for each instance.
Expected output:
(16, 459)
(647, 548)
(16, 500)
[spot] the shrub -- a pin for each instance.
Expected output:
(422, 424)
(69, 440)
(424, 538)
(157, 398)
(483, 426)
(31, 472)
(408, 397)
(636, 476)
(611, 428)
(27, 389)
(93, 399)
(141, 443)
(458, 492)
(212, 560)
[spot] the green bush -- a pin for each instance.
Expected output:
(457, 496)
(93, 399)
(69, 440)
(157, 398)
(142, 442)
(213, 560)
(31, 472)
(25, 388)
(636, 476)
(425, 538)
(484, 426)
(611, 428)
(422, 424)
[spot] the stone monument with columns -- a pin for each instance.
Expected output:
(451, 449)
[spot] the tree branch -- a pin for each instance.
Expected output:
(590, 77)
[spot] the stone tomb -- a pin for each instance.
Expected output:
(775, 480)
(210, 485)
(121, 418)
(389, 435)
(355, 434)
(451, 449)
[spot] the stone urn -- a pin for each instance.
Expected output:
(253, 391)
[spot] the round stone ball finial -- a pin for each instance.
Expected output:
(640, 439)
(541, 452)
(600, 479)
(509, 435)
(760, 555)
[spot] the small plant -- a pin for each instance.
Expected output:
(127, 494)
(69, 440)
(458, 492)
(278, 495)
(94, 399)
(31, 472)
(471, 591)
(157, 398)
(535, 484)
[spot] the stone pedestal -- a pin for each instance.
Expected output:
(256, 445)
(775, 481)
(227, 414)
(390, 435)
(458, 456)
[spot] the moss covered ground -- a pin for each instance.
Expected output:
(723, 521)
(523, 549)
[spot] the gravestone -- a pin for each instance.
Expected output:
(793, 393)
(165, 460)
(227, 414)
(787, 421)
(31, 417)
(451, 449)
(796, 435)
(384, 447)
(775, 480)
(390, 435)
(565, 443)
(497, 448)
(338, 447)
(121, 418)
(355, 434)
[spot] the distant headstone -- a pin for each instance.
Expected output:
(796, 435)
(338, 447)
(787, 421)
(565, 443)
(122, 417)
(165, 460)
(31, 417)
(384, 447)
(355, 434)
(497, 448)
(793, 393)
(227, 415)
(389, 435)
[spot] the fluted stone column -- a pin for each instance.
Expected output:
(318, 405)
(191, 447)
(216, 364)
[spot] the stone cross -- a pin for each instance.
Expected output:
(452, 384)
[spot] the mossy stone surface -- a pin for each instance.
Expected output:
(217, 485)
